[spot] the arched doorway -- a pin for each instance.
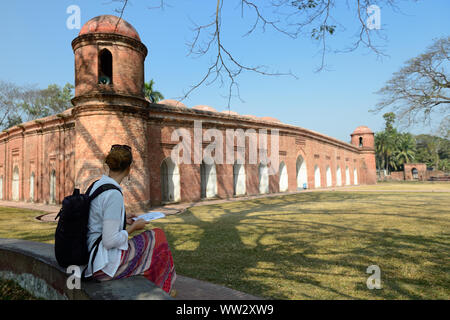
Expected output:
(263, 178)
(329, 180)
(338, 176)
(239, 181)
(32, 187)
(355, 176)
(347, 176)
(316, 176)
(208, 180)
(302, 175)
(283, 183)
(15, 184)
(170, 181)
(53, 186)
(415, 173)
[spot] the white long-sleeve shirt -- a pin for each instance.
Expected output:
(106, 216)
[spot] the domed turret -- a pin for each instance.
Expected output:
(109, 58)
(109, 24)
(363, 137)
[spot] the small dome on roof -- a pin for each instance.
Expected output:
(204, 108)
(234, 113)
(172, 103)
(109, 24)
(362, 129)
(270, 119)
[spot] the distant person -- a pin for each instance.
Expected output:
(117, 257)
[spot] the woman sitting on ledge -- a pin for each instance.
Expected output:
(117, 257)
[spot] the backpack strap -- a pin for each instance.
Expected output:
(101, 189)
(90, 187)
(95, 248)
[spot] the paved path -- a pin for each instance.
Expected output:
(31, 205)
(52, 210)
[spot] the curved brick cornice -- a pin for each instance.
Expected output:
(50, 123)
(138, 112)
(160, 112)
(110, 98)
(102, 103)
(95, 38)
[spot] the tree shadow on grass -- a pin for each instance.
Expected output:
(293, 256)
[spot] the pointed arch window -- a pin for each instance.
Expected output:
(105, 67)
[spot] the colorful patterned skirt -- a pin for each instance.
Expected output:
(149, 255)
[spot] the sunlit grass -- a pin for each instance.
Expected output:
(319, 245)
(22, 224)
(314, 245)
(407, 186)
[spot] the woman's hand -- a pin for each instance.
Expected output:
(139, 224)
(130, 217)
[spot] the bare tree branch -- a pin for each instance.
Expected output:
(421, 88)
(120, 12)
(311, 19)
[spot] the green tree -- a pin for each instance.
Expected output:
(405, 149)
(13, 120)
(389, 119)
(25, 103)
(434, 151)
(151, 93)
(393, 149)
(385, 144)
(42, 103)
(11, 96)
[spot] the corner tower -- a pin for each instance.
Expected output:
(364, 139)
(109, 103)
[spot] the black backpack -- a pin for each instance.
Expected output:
(71, 233)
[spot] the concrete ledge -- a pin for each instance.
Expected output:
(34, 267)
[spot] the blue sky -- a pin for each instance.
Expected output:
(36, 49)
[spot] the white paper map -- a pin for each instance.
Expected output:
(151, 216)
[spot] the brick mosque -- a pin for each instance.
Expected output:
(44, 160)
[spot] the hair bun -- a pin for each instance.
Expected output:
(119, 159)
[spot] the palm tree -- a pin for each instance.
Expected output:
(385, 147)
(405, 150)
(152, 94)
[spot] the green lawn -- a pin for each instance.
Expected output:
(314, 245)
(430, 186)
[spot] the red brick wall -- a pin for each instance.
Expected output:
(421, 168)
(316, 150)
(77, 149)
(38, 147)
